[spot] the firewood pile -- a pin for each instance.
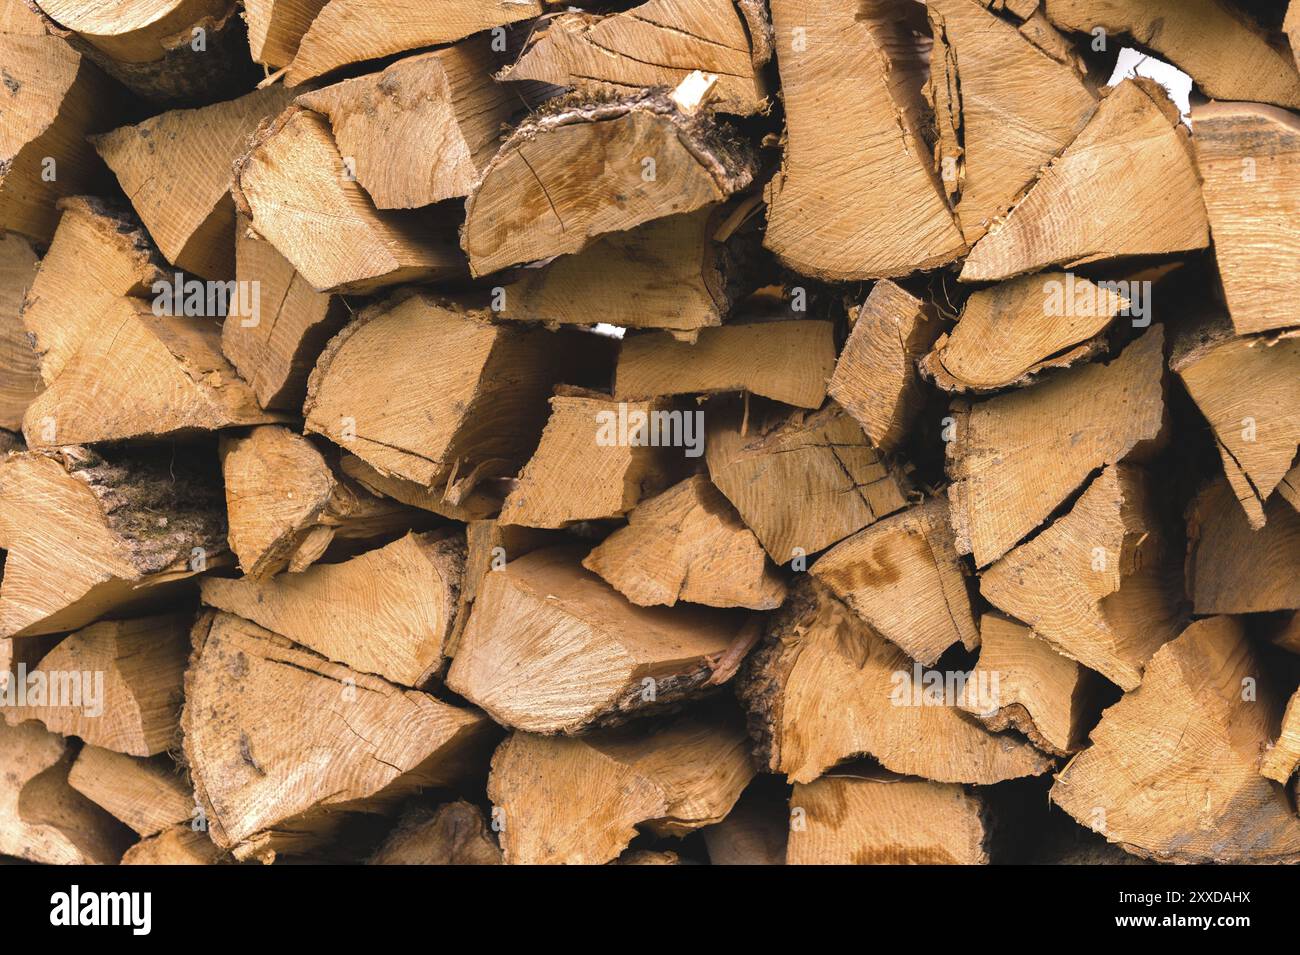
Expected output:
(686, 431)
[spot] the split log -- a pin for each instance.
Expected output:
(388, 611)
(473, 392)
(587, 467)
(903, 577)
(1232, 568)
(300, 194)
(1127, 185)
(1249, 158)
(115, 684)
(1004, 108)
(875, 379)
(1229, 56)
(1195, 795)
(179, 845)
(87, 535)
(1009, 334)
(270, 781)
(551, 648)
(673, 780)
(682, 272)
(172, 51)
(149, 795)
(17, 18)
(657, 43)
(1100, 583)
(276, 27)
(885, 819)
(579, 168)
(882, 212)
(1249, 391)
(422, 130)
(1281, 758)
(818, 658)
(352, 31)
(275, 352)
(175, 168)
(287, 506)
(784, 361)
(20, 374)
(801, 482)
(1292, 29)
(484, 501)
(53, 99)
(1048, 697)
(453, 834)
(688, 544)
(756, 830)
(42, 818)
(1016, 458)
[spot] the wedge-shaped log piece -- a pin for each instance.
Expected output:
(1032, 688)
(677, 778)
(819, 658)
(1173, 770)
(351, 31)
(1249, 157)
(287, 505)
(598, 457)
(387, 611)
(1004, 109)
(902, 576)
(267, 779)
(885, 819)
(87, 535)
(175, 167)
(274, 349)
(53, 98)
(1011, 332)
(1232, 568)
(179, 845)
(115, 684)
(681, 272)
(489, 546)
(300, 195)
(453, 834)
(1016, 458)
(149, 795)
(856, 197)
(784, 361)
(20, 374)
(1228, 55)
(875, 379)
(1249, 391)
(276, 27)
(583, 168)
(551, 648)
(1101, 583)
(471, 394)
(483, 502)
(98, 255)
(1127, 185)
(656, 44)
(801, 482)
(422, 130)
(17, 18)
(688, 544)
(141, 375)
(1292, 28)
(1282, 757)
(42, 818)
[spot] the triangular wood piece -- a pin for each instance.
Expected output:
(856, 197)
(819, 658)
(1173, 770)
(276, 27)
(672, 780)
(1126, 186)
(453, 834)
(149, 795)
(17, 18)
(179, 845)
(552, 648)
(657, 43)
(270, 780)
(688, 544)
(1016, 458)
(20, 373)
(902, 576)
(481, 503)
(1282, 757)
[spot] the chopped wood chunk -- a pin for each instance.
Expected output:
(482, 502)
(20, 374)
(276, 27)
(149, 795)
(1282, 757)
(1232, 568)
(179, 845)
(453, 834)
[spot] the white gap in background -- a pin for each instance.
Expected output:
(613, 331)
(1178, 84)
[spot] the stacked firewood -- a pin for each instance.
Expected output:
(733, 431)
